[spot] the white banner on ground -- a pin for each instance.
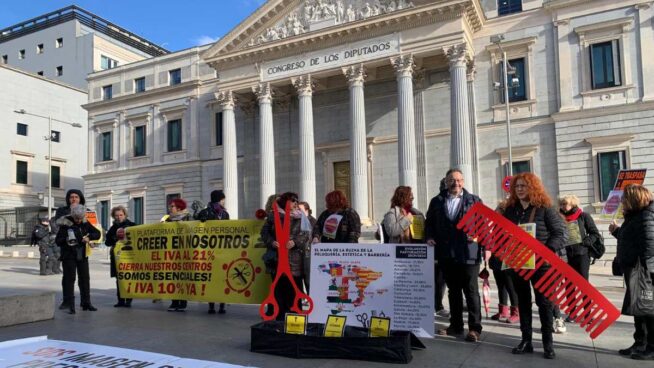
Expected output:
(40, 352)
(361, 281)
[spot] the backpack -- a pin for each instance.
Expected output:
(383, 234)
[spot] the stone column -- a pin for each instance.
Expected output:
(266, 142)
(92, 156)
(474, 184)
(460, 152)
(406, 138)
(564, 66)
(304, 86)
(158, 142)
(358, 156)
(230, 158)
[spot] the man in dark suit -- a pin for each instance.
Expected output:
(457, 254)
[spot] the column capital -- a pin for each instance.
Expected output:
(471, 71)
(225, 99)
(457, 54)
(355, 74)
(304, 85)
(264, 92)
(403, 65)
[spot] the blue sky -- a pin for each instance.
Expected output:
(175, 25)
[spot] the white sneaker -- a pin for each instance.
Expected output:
(559, 326)
(443, 313)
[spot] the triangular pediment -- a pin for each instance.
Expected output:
(277, 20)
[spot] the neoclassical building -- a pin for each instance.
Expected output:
(316, 95)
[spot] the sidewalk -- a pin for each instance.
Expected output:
(226, 338)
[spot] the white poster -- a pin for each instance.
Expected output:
(40, 352)
(361, 281)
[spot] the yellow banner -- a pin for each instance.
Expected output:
(212, 261)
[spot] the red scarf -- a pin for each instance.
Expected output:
(574, 215)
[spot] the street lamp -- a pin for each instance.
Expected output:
(49, 139)
(515, 82)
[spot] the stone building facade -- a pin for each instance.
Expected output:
(316, 95)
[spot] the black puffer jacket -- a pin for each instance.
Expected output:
(451, 243)
(636, 239)
(75, 252)
(550, 227)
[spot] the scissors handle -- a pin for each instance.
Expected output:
(269, 301)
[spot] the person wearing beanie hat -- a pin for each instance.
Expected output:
(215, 210)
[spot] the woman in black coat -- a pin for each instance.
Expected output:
(636, 243)
(582, 233)
(530, 203)
(73, 236)
(119, 214)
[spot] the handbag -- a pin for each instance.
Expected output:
(641, 291)
(616, 269)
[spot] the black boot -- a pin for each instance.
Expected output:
(548, 346)
(221, 309)
(71, 308)
(212, 308)
(89, 307)
(636, 347)
(128, 303)
(64, 305)
(121, 303)
(523, 347)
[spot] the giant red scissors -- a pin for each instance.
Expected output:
(283, 234)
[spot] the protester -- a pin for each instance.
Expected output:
(528, 202)
(582, 234)
(119, 214)
(457, 254)
(299, 238)
(41, 237)
(306, 210)
(74, 235)
(636, 244)
(338, 223)
(398, 220)
(506, 293)
(215, 210)
(178, 212)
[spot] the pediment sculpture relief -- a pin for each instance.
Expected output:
(316, 14)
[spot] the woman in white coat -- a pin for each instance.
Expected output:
(398, 220)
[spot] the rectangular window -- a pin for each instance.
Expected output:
(609, 164)
(139, 85)
(175, 76)
(21, 172)
(605, 64)
(59, 42)
(55, 136)
(39, 48)
(21, 54)
(21, 129)
(60, 71)
(56, 177)
(137, 210)
(505, 7)
(518, 167)
(516, 79)
(170, 198)
(5, 59)
(175, 135)
(107, 143)
(104, 214)
(139, 141)
(107, 92)
(219, 129)
(107, 62)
